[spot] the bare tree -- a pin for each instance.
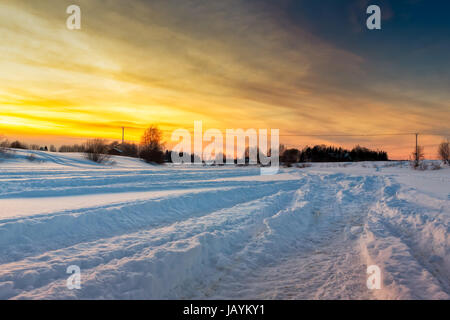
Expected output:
(444, 151)
(4, 144)
(418, 155)
(34, 147)
(152, 137)
(73, 148)
(129, 149)
(290, 156)
(151, 148)
(96, 150)
(18, 145)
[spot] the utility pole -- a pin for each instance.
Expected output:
(417, 149)
(123, 135)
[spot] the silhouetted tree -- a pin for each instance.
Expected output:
(72, 148)
(18, 145)
(168, 156)
(290, 156)
(96, 150)
(444, 151)
(323, 153)
(129, 149)
(151, 148)
(418, 155)
(4, 144)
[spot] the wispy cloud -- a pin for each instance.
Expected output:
(228, 63)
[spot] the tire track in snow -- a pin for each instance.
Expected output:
(146, 257)
(68, 183)
(20, 238)
(302, 254)
(208, 255)
(410, 243)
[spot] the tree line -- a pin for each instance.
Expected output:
(152, 149)
(323, 153)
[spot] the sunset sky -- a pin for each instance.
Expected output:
(305, 67)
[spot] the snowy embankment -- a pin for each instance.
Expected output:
(139, 231)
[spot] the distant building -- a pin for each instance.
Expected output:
(116, 151)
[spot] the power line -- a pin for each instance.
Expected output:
(344, 135)
(362, 135)
(328, 135)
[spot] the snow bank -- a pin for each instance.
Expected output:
(151, 232)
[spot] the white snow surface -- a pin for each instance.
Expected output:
(139, 231)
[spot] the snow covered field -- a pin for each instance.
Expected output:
(144, 232)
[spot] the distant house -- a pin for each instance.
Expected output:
(116, 151)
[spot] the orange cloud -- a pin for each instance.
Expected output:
(230, 64)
